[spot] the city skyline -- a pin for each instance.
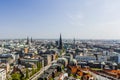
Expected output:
(89, 19)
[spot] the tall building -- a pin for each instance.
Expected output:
(26, 50)
(115, 58)
(27, 43)
(31, 40)
(2, 74)
(60, 43)
(74, 43)
(56, 43)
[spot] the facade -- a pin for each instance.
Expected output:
(32, 61)
(85, 58)
(26, 50)
(5, 66)
(47, 59)
(69, 55)
(53, 56)
(63, 61)
(73, 62)
(7, 58)
(2, 74)
(102, 58)
(115, 58)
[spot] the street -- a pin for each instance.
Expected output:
(36, 75)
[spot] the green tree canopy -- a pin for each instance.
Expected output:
(16, 76)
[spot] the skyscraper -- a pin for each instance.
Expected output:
(60, 42)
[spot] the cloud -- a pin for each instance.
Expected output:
(75, 16)
(75, 19)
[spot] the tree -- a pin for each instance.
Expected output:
(16, 76)
(33, 70)
(27, 73)
(63, 67)
(39, 65)
(61, 52)
(56, 56)
(71, 75)
(24, 78)
(78, 77)
(51, 79)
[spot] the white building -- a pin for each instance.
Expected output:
(2, 74)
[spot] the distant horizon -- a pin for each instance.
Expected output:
(82, 19)
(52, 39)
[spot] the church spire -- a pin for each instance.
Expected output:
(27, 40)
(31, 40)
(74, 43)
(60, 42)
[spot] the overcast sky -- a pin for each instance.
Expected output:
(82, 19)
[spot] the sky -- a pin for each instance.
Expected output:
(80, 19)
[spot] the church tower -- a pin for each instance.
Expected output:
(31, 40)
(60, 43)
(27, 43)
(74, 43)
